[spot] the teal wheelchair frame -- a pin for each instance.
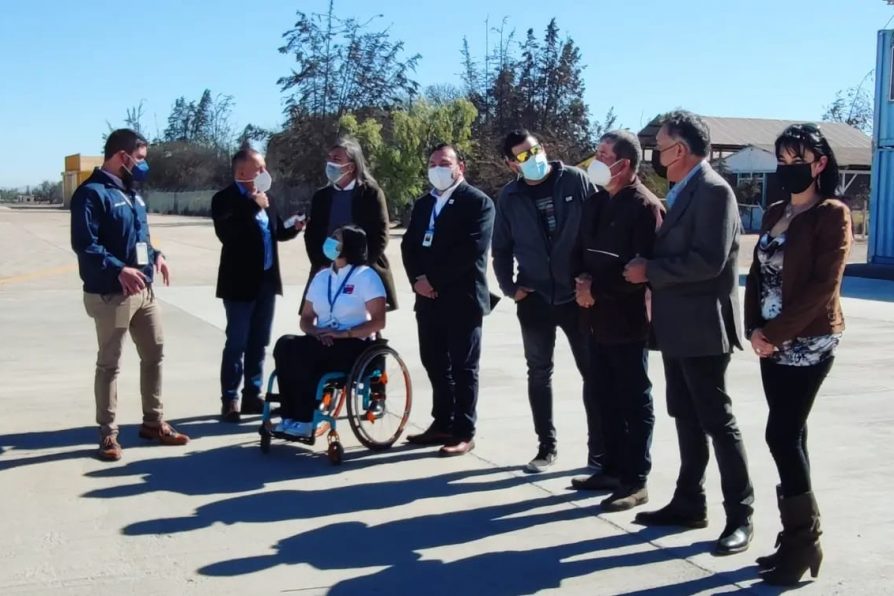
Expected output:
(363, 389)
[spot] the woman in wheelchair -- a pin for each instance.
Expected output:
(343, 311)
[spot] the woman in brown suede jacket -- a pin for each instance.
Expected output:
(793, 318)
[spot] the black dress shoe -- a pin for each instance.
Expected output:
(735, 538)
(598, 481)
(457, 447)
(252, 405)
(432, 436)
(669, 515)
(229, 411)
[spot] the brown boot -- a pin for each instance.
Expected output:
(769, 561)
(164, 433)
(799, 548)
(109, 448)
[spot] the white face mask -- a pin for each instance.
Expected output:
(441, 177)
(601, 174)
(263, 181)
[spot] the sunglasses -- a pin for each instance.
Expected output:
(524, 156)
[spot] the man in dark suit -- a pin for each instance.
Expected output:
(695, 316)
(248, 280)
(445, 254)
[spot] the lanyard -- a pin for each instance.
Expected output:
(436, 213)
(137, 224)
(334, 299)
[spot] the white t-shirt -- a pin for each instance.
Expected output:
(349, 297)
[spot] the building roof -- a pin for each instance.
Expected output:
(852, 147)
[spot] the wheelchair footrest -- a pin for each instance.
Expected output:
(304, 440)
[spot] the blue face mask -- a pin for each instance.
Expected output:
(331, 249)
(536, 167)
(138, 173)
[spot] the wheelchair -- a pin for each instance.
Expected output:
(378, 395)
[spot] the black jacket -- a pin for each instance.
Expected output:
(456, 262)
(241, 269)
(520, 239)
(369, 211)
(623, 225)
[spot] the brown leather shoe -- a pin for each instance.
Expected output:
(432, 436)
(109, 448)
(164, 433)
(597, 481)
(457, 447)
(252, 405)
(229, 411)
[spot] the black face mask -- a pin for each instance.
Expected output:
(794, 178)
(656, 164)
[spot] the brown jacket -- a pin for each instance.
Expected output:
(816, 247)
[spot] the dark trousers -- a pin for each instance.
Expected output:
(450, 349)
(539, 321)
(624, 395)
(790, 392)
(301, 361)
(248, 335)
(701, 408)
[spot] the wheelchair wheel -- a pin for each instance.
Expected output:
(379, 396)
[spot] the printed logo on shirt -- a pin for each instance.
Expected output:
(120, 204)
(349, 289)
(569, 198)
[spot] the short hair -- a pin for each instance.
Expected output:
(460, 157)
(123, 139)
(355, 153)
(689, 128)
(626, 145)
(353, 244)
(801, 138)
(513, 139)
(243, 155)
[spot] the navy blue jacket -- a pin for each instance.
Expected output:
(107, 221)
(456, 262)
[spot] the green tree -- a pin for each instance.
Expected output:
(852, 106)
(400, 156)
(342, 66)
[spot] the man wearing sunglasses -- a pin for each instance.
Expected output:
(537, 221)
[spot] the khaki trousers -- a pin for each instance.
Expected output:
(115, 315)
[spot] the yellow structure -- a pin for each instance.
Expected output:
(77, 169)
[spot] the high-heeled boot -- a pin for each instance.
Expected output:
(769, 561)
(799, 548)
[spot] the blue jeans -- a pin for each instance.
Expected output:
(248, 334)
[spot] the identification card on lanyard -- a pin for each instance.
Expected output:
(429, 235)
(333, 322)
(142, 248)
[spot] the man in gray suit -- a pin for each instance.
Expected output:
(695, 317)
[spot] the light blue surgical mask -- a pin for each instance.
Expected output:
(334, 171)
(536, 167)
(331, 249)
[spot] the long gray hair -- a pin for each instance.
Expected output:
(355, 154)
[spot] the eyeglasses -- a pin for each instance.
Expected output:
(528, 154)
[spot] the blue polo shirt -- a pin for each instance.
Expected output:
(264, 225)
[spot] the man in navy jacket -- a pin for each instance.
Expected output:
(445, 254)
(117, 263)
(248, 279)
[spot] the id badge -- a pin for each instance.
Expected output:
(427, 239)
(142, 254)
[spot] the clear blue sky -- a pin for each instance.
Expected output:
(68, 67)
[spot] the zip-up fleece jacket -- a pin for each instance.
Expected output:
(544, 264)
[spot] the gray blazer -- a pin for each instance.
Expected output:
(694, 271)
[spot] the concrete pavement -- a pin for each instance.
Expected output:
(218, 517)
